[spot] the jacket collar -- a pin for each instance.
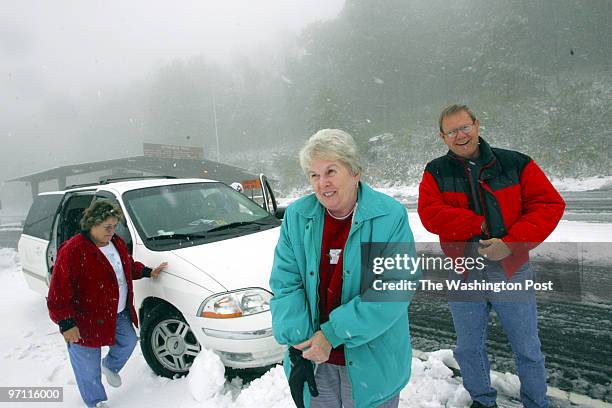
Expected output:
(87, 238)
(486, 154)
(369, 205)
(490, 165)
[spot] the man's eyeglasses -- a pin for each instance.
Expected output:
(467, 129)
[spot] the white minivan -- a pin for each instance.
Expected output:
(218, 243)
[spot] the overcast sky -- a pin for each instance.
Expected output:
(64, 51)
(71, 45)
(68, 50)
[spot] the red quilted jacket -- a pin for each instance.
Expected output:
(521, 206)
(84, 290)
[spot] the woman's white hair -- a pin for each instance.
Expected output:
(331, 144)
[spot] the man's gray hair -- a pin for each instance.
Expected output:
(331, 144)
(453, 109)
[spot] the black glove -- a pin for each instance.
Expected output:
(302, 371)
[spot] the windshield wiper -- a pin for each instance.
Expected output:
(164, 237)
(236, 224)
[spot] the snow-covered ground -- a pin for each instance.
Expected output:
(408, 193)
(583, 184)
(561, 184)
(566, 231)
(32, 353)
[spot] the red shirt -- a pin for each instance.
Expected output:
(335, 233)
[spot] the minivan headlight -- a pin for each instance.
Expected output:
(243, 302)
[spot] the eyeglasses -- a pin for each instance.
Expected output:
(467, 129)
(110, 227)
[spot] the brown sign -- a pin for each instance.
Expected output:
(172, 151)
(254, 184)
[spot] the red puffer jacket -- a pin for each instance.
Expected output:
(84, 291)
(520, 204)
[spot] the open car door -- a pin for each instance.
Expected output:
(260, 191)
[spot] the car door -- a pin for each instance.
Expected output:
(260, 191)
(34, 241)
(66, 223)
(269, 200)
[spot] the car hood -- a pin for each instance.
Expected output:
(235, 263)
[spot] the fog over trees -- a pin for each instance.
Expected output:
(538, 74)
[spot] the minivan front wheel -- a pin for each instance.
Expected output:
(167, 342)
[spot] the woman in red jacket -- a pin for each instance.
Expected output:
(91, 299)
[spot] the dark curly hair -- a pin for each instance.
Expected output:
(97, 212)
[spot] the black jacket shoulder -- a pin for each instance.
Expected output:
(511, 158)
(440, 165)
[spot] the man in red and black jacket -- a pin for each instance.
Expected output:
(500, 202)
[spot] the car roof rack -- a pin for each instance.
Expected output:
(113, 179)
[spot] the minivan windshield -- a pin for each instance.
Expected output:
(177, 215)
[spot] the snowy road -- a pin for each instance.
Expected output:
(576, 334)
(576, 340)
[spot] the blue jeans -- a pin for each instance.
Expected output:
(86, 360)
(518, 316)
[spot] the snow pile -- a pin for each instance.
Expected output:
(432, 384)
(404, 194)
(507, 384)
(271, 390)
(207, 385)
(583, 184)
(8, 259)
(206, 376)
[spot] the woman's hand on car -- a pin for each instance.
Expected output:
(155, 272)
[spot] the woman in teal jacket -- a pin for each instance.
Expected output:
(362, 347)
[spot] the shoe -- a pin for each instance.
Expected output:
(101, 404)
(477, 404)
(113, 379)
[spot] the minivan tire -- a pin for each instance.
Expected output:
(167, 342)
